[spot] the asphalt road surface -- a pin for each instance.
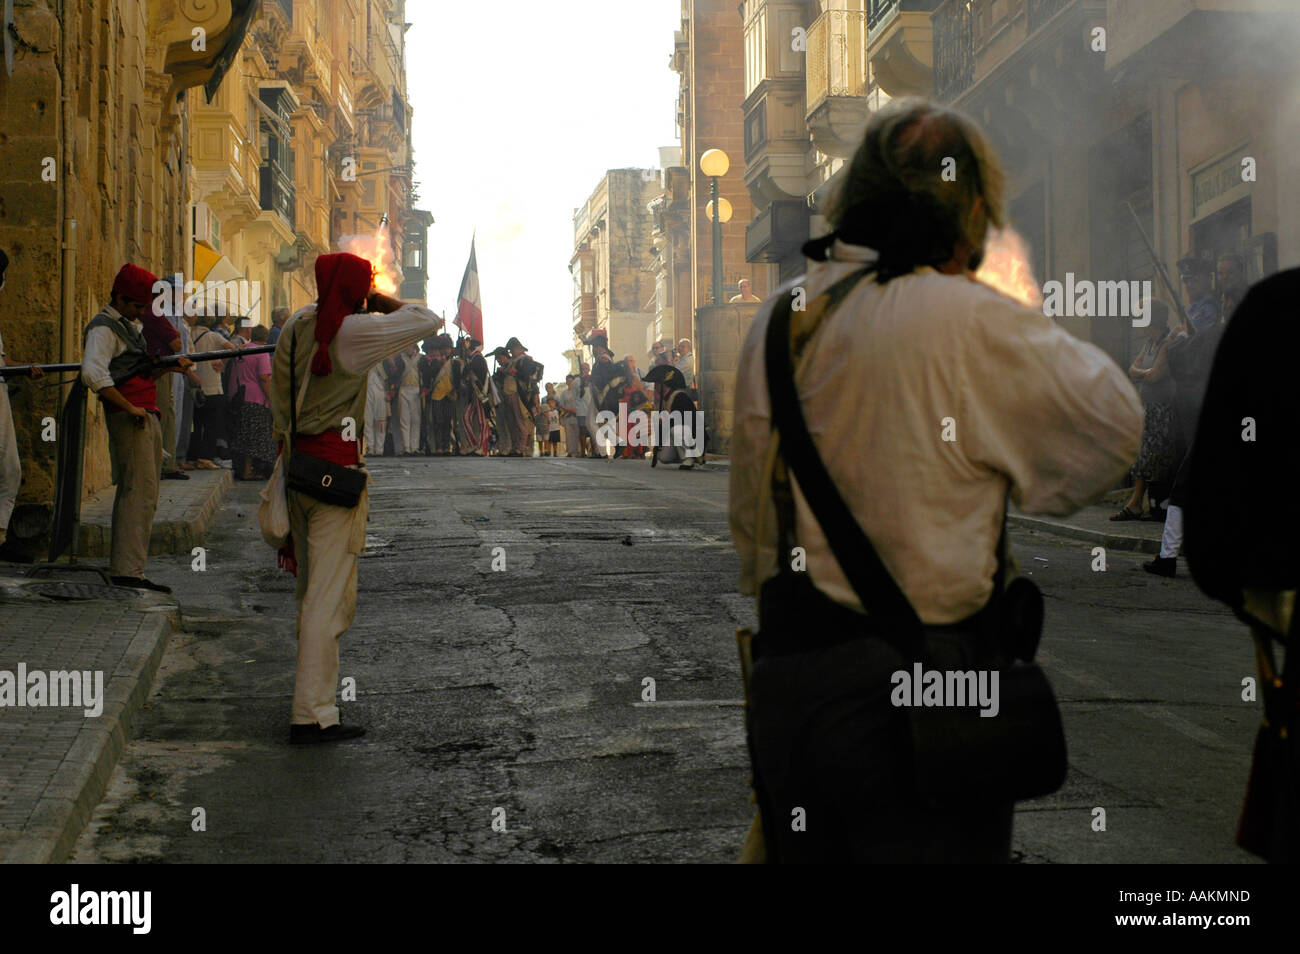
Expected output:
(505, 707)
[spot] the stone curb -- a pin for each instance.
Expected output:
(82, 778)
(1111, 541)
(171, 536)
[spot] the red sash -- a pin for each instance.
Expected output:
(140, 391)
(330, 446)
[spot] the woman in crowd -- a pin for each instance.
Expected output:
(254, 446)
(1155, 463)
(210, 437)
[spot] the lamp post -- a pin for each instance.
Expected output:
(714, 163)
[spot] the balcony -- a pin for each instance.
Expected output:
(900, 46)
(278, 193)
(584, 314)
(837, 81)
(286, 7)
(777, 233)
(954, 52)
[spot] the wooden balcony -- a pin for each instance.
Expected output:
(837, 81)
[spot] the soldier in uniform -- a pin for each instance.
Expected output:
(471, 385)
(1190, 356)
(519, 397)
(507, 428)
(442, 400)
(607, 381)
(1230, 283)
(430, 364)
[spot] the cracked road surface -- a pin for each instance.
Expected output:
(521, 689)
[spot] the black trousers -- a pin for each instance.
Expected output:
(833, 756)
(209, 427)
(443, 411)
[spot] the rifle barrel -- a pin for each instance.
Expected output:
(21, 370)
(1160, 268)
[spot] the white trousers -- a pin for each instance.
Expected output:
(327, 542)
(408, 420)
(376, 421)
(1171, 541)
(11, 472)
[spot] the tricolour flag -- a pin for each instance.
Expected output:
(469, 306)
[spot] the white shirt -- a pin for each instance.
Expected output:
(364, 341)
(686, 365)
(586, 403)
(1033, 410)
(102, 346)
(207, 339)
(568, 400)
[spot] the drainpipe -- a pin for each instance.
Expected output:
(67, 312)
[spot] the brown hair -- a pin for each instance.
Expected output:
(924, 179)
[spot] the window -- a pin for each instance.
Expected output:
(756, 48)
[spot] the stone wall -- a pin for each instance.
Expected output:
(93, 131)
(721, 330)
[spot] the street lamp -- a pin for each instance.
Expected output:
(713, 164)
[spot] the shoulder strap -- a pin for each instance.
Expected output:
(295, 403)
(856, 556)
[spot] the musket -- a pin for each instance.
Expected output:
(1160, 270)
(143, 366)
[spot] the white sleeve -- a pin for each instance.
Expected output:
(750, 446)
(94, 361)
(366, 340)
(1053, 413)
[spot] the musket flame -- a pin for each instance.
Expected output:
(1006, 268)
(378, 250)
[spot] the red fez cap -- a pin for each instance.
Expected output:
(135, 284)
(343, 281)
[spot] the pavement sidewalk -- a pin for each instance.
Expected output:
(56, 761)
(1093, 524)
(186, 509)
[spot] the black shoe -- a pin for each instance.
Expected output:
(139, 583)
(175, 475)
(314, 734)
(1162, 566)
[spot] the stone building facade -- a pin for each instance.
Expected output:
(708, 56)
(1093, 105)
(307, 143)
(175, 134)
(614, 275)
(94, 130)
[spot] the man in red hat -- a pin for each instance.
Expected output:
(115, 343)
(329, 349)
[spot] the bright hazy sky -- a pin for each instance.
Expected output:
(520, 107)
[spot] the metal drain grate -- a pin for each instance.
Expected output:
(58, 590)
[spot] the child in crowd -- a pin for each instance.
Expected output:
(552, 427)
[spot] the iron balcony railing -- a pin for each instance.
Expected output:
(954, 54)
(878, 10)
(837, 56)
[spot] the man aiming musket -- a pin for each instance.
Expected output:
(116, 366)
